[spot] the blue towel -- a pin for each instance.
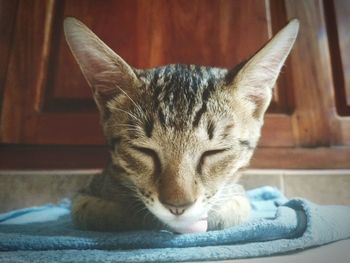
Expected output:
(277, 225)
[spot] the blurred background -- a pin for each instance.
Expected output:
(50, 138)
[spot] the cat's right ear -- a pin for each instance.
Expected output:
(255, 79)
(107, 74)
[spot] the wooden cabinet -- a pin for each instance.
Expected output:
(338, 19)
(49, 120)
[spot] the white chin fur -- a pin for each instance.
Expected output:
(195, 213)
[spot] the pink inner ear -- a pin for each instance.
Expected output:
(256, 79)
(260, 99)
(104, 94)
(106, 72)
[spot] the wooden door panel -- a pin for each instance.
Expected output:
(338, 21)
(153, 33)
(8, 11)
(52, 101)
(337, 14)
(47, 101)
(105, 18)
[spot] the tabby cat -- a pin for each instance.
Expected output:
(177, 135)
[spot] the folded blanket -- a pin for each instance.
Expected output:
(46, 234)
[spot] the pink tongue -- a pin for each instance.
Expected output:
(200, 226)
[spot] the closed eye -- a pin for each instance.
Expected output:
(208, 154)
(153, 154)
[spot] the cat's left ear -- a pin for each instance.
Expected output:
(107, 74)
(254, 81)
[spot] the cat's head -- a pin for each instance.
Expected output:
(178, 133)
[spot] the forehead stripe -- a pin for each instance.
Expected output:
(205, 96)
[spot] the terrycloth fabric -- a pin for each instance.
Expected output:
(45, 234)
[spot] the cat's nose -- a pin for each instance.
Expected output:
(177, 209)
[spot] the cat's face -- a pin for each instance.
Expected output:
(179, 139)
(178, 133)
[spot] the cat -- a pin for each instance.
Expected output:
(178, 134)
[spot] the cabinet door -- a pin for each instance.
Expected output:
(338, 20)
(47, 102)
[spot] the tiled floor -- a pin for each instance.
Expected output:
(21, 189)
(320, 186)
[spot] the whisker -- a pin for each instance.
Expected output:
(130, 114)
(137, 130)
(139, 209)
(135, 104)
(126, 125)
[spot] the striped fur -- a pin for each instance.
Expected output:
(177, 134)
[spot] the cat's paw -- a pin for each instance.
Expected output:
(231, 213)
(93, 213)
